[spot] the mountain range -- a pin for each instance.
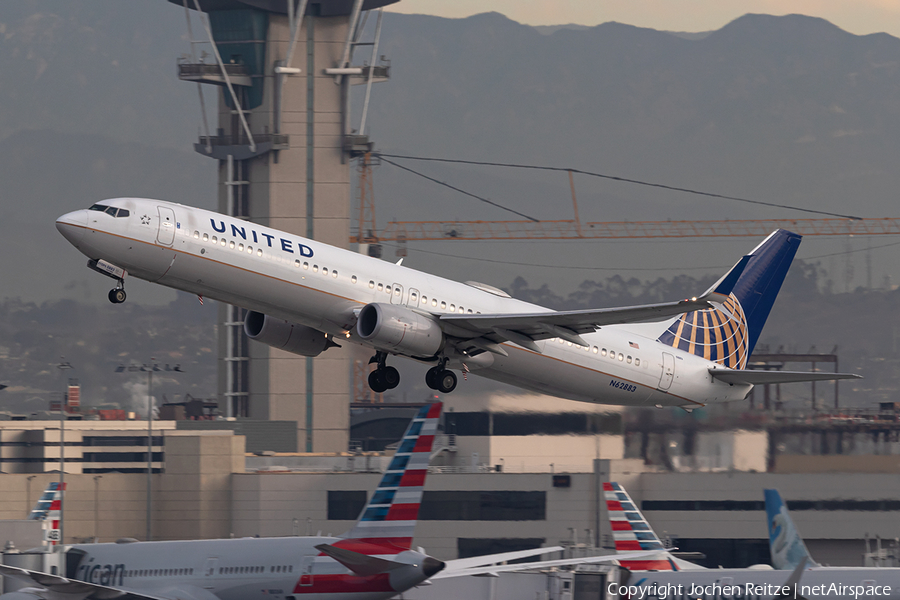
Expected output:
(786, 110)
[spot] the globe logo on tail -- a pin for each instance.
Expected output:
(718, 334)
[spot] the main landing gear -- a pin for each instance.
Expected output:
(383, 377)
(440, 378)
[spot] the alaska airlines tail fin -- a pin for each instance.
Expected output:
(728, 332)
(785, 544)
(631, 531)
(387, 523)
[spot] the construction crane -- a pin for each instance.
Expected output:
(574, 229)
(401, 232)
(612, 230)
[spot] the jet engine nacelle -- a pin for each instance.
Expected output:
(399, 329)
(418, 567)
(284, 335)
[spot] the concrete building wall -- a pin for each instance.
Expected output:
(838, 533)
(191, 499)
(266, 504)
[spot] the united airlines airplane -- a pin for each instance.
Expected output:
(305, 297)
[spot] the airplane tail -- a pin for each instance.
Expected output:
(631, 531)
(47, 506)
(785, 544)
(387, 522)
(728, 332)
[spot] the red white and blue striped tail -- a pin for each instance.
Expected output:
(48, 504)
(48, 507)
(387, 523)
(631, 531)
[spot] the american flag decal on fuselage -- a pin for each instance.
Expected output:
(716, 334)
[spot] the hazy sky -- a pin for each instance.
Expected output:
(856, 16)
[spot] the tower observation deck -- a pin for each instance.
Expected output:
(283, 140)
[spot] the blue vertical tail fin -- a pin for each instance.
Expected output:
(761, 280)
(727, 333)
(785, 544)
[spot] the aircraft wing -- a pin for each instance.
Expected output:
(487, 331)
(525, 328)
(494, 569)
(72, 587)
(491, 559)
(755, 377)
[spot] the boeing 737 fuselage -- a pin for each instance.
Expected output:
(305, 297)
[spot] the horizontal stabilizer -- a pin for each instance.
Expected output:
(753, 377)
(546, 564)
(491, 559)
(361, 564)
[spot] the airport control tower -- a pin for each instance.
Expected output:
(282, 70)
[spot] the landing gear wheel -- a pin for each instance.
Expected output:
(431, 377)
(117, 296)
(446, 382)
(390, 376)
(376, 381)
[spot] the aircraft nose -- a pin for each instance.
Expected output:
(72, 225)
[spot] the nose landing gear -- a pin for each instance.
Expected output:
(383, 377)
(117, 294)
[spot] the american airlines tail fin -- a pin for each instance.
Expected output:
(728, 332)
(47, 506)
(785, 544)
(387, 523)
(631, 531)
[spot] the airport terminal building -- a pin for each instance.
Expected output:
(488, 490)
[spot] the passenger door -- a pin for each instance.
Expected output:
(210, 569)
(668, 371)
(166, 233)
(306, 570)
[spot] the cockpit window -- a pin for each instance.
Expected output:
(111, 210)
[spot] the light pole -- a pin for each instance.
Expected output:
(97, 479)
(63, 365)
(149, 368)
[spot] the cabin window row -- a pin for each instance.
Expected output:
(612, 354)
(388, 289)
(223, 242)
(158, 572)
(315, 269)
(414, 298)
(245, 570)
